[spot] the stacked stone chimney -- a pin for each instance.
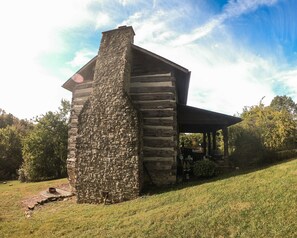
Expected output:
(108, 150)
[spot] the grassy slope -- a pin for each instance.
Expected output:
(258, 204)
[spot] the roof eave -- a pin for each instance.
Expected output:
(166, 61)
(70, 84)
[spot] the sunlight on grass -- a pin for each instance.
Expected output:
(258, 204)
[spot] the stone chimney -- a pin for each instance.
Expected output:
(109, 164)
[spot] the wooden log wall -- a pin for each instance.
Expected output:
(80, 95)
(155, 97)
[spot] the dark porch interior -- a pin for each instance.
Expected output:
(196, 120)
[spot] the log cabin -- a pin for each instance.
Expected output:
(128, 107)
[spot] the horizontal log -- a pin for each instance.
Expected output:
(73, 124)
(152, 89)
(158, 159)
(158, 122)
(158, 84)
(72, 133)
(79, 102)
(152, 96)
(82, 94)
(73, 119)
(155, 105)
(163, 167)
(84, 85)
(75, 106)
(158, 143)
(158, 132)
(158, 113)
(77, 110)
(138, 69)
(158, 153)
(74, 115)
(148, 79)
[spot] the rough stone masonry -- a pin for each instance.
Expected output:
(108, 149)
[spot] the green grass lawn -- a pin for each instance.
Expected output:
(257, 204)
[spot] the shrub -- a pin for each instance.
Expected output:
(205, 169)
(22, 176)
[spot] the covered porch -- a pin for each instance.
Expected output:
(208, 123)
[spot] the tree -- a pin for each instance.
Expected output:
(264, 129)
(10, 152)
(12, 130)
(6, 119)
(190, 140)
(286, 103)
(45, 147)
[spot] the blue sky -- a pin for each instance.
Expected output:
(238, 51)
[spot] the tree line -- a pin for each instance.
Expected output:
(34, 150)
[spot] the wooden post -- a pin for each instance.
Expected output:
(204, 143)
(209, 143)
(214, 141)
(225, 138)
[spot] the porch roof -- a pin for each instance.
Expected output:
(197, 120)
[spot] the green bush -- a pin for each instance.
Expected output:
(205, 169)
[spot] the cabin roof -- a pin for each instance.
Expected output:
(174, 65)
(144, 62)
(87, 72)
(197, 120)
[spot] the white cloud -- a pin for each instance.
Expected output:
(221, 81)
(289, 79)
(127, 2)
(81, 58)
(225, 77)
(102, 20)
(232, 9)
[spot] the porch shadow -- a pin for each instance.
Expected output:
(153, 190)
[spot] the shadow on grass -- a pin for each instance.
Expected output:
(153, 190)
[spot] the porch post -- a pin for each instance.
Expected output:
(214, 141)
(209, 143)
(204, 143)
(225, 138)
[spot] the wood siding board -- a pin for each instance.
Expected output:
(157, 153)
(152, 79)
(158, 159)
(158, 132)
(82, 94)
(158, 113)
(84, 86)
(149, 97)
(158, 121)
(159, 143)
(155, 105)
(151, 89)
